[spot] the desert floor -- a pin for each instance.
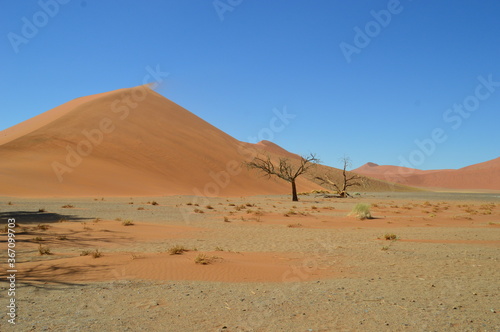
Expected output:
(273, 264)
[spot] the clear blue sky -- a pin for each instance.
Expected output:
(232, 65)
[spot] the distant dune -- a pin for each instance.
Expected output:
(134, 142)
(482, 176)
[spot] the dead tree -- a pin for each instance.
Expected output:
(286, 169)
(349, 180)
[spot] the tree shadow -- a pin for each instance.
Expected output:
(30, 217)
(49, 276)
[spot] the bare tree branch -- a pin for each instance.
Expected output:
(285, 169)
(348, 180)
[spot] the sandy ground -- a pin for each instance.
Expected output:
(273, 264)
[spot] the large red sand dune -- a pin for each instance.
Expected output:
(127, 142)
(482, 176)
(133, 142)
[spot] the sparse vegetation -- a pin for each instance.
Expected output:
(203, 259)
(42, 227)
(458, 217)
(198, 211)
(62, 237)
(42, 250)
(140, 208)
(94, 253)
(41, 210)
(390, 237)
(210, 207)
(297, 225)
(226, 219)
(219, 248)
(38, 239)
(154, 203)
(67, 206)
(240, 207)
(127, 222)
(470, 210)
(177, 250)
(362, 211)
(320, 192)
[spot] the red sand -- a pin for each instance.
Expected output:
(127, 142)
(482, 176)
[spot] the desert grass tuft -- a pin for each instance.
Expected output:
(203, 259)
(390, 237)
(362, 211)
(127, 222)
(177, 250)
(42, 250)
(94, 253)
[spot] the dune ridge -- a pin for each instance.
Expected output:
(481, 176)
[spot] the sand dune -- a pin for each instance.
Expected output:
(126, 142)
(132, 142)
(482, 176)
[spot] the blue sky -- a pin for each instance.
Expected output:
(379, 81)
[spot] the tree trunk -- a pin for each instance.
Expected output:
(295, 198)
